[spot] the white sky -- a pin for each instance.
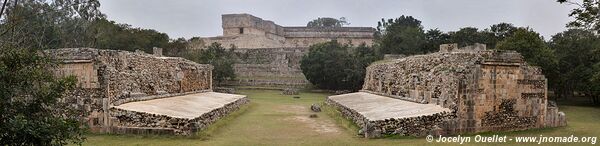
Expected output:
(189, 18)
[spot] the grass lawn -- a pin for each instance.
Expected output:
(275, 119)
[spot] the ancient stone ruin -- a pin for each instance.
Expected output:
(453, 91)
(126, 92)
(270, 54)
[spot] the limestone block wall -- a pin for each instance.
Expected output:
(247, 31)
(232, 22)
(486, 90)
(243, 41)
(111, 77)
(308, 41)
(329, 32)
(278, 67)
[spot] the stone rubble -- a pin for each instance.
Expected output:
(290, 91)
(315, 107)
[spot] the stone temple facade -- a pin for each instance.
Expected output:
(127, 92)
(247, 31)
(269, 54)
(472, 89)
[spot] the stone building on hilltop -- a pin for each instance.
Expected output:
(453, 91)
(247, 31)
(270, 54)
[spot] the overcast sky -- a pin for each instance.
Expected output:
(189, 18)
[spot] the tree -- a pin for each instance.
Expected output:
(328, 22)
(578, 57)
(221, 59)
(48, 24)
(110, 35)
(502, 30)
(497, 33)
(434, 38)
(176, 47)
(467, 36)
(403, 35)
(29, 101)
(530, 44)
(336, 66)
(30, 111)
(586, 14)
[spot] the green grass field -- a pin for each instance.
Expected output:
(275, 119)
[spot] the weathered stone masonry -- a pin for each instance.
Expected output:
(273, 67)
(108, 78)
(486, 90)
(270, 53)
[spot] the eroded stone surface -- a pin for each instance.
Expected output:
(183, 115)
(186, 106)
(247, 31)
(108, 78)
(485, 90)
(376, 107)
(268, 54)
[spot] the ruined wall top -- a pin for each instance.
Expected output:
(247, 31)
(123, 76)
(249, 21)
(240, 21)
(454, 48)
(334, 29)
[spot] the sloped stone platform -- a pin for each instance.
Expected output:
(378, 115)
(179, 115)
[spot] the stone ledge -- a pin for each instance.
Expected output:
(151, 97)
(142, 119)
(415, 122)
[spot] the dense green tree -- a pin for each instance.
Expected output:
(175, 47)
(220, 58)
(110, 35)
(467, 36)
(595, 86)
(578, 57)
(47, 24)
(328, 22)
(502, 30)
(336, 66)
(434, 38)
(497, 33)
(403, 35)
(587, 14)
(530, 44)
(29, 107)
(30, 111)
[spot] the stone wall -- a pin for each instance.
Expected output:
(232, 23)
(108, 77)
(486, 90)
(272, 67)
